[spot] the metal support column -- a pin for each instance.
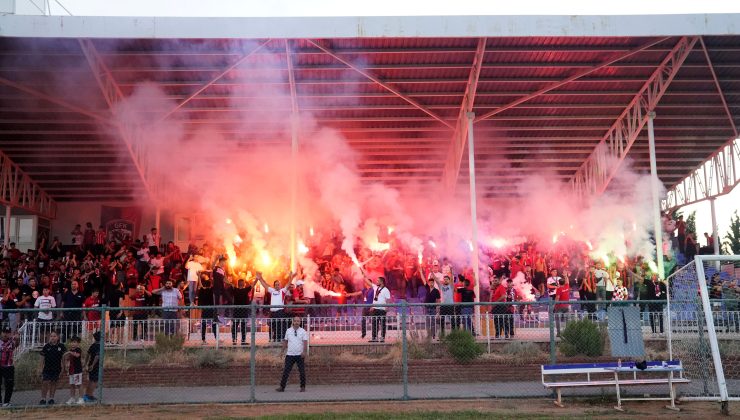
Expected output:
(157, 219)
(473, 215)
(6, 237)
(654, 180)
(293, 190)
(715, 231)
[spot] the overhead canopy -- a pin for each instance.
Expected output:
(396, 100)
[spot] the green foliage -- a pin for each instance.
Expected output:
(168, 343)
(206, 358)
(462, 346)
(27, 371)
(525, 351)
(582, 337)
(691, 223)
(731, 244)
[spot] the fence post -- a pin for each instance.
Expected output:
(101, 358)
(551, 319)
(253, 353)
(404, 351)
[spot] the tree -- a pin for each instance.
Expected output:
(732, 237)
(691, 223)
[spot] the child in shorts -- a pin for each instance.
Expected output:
(74, 369)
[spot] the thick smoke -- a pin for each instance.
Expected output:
(241, 184)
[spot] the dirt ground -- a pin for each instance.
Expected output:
(519, 408)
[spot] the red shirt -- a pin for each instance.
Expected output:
(562, 293)
(92, 302)
(499, 295)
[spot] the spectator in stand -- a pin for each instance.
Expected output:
(588, 289)
(74, 369)
(72, 301)
(431, 296)
(101, 237)
(690, 247)
(93, 316)
(116, 315)
(241, 313)
(207, 315)
(466, 296)
(92, 365)
(620, 292)
(51, 367)
(552, 283)
(153, 240)
(10, 304)
(45, 318)
(140, 314)
(681, 230)
(88, 239)
(446, 293)
(77, 237)
(277, 309)
(8, 344)
(655, 290)
(562, 294)
(219, 282)
(295, 346)
(381, 296)
(194, 268)
(170, 300)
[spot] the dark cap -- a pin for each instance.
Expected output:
(6, 329)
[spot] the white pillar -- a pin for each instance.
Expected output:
(157, 218)
(293, 189)
(715, 231)
(473, 216)
(6, 239)
(657, 225)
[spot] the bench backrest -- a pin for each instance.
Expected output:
(576, 368)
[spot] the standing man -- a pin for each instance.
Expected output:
(8, 345)
(681, 229)
(194, 269)
(447, 299)
(432, 296)
(381, 296)
(72, 301)
(277, 308)
(153, 240)
(295, 346)
(170, 300)
(241, 313)
(368, 294)
(219, 284)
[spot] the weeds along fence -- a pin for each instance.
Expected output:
(230, 353)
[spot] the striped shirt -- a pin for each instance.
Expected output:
(7, 347)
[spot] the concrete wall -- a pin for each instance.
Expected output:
(71, 213)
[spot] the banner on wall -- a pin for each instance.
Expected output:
(121, 222)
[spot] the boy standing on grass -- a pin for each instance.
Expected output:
(91, 361)
(51, 367)
(74, 369)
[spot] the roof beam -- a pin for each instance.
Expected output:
(715, 176)
(215, 79)
(600, 167)
(18, 190)
(380, 82)
(460, 136)
(131, 136)
(53, 99)
(716, 83)
(606, 63)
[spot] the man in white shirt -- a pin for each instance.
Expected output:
(552, 283)
(277, 310)
(170, 301)
(194, 269)
(381, 296)
(295, 346)
(603, 283)
(45, 301)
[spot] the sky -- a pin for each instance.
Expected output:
(380, 7)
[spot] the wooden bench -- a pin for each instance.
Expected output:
(608, 374)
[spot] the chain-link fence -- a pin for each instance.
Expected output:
(346, 352)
